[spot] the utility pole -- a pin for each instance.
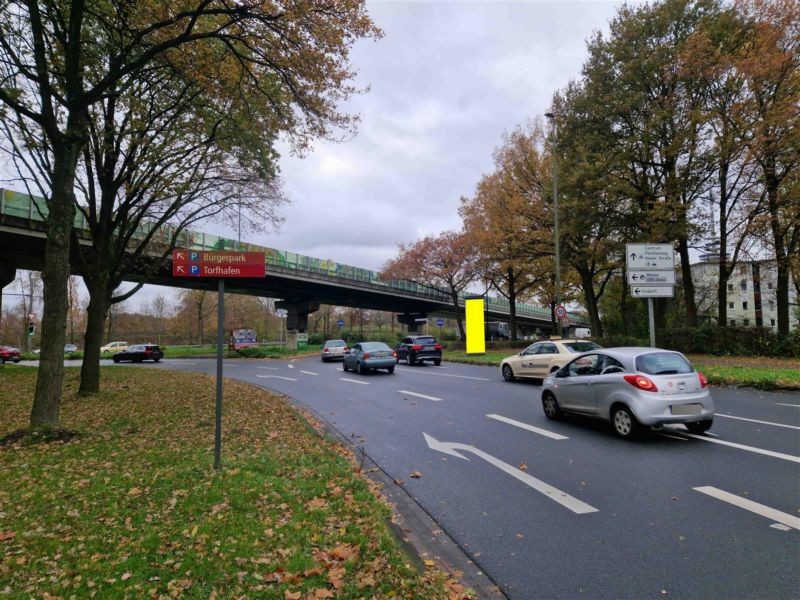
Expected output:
(554, 157)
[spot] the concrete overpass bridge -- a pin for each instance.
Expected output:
(298, 283)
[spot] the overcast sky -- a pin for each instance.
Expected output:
(446, 81)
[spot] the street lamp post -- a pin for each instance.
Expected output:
(552, 118)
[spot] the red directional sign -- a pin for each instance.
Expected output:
(201, 263)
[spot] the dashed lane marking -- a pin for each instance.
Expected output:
(757, 421)
(353, 381)
(525, 426)
(780, 455)
(772, 514)
(421, 372)
(309, 372)
(434, 398)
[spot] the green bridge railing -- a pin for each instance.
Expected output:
(34, 208)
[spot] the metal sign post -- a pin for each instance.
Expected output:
(219, 265)
(651, 274)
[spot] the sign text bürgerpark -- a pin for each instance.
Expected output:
(201, 263)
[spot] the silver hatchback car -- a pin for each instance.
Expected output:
(631, 388)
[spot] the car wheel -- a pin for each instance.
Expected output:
(360, 368)
(344, 366)
(624, 423)
(324, 360)
(550, 406)
(155, 360)
(390, 369)
(409, 362)
(115, 359)
(699, 426)
(508, 373)
(437, 361)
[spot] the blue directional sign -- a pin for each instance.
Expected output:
(439, 322)
(340, 323)
(194, 269)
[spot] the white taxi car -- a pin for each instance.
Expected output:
(114, 347)
(540, 359)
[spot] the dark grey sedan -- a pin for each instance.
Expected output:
(632, 388)
(368, 356)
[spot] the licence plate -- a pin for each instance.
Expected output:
(429, 348)
(687, 409)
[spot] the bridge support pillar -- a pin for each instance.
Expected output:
(412, 320)
(7, 275)
(298, 311)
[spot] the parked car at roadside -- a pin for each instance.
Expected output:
(631, 388)
(333, 349)
(9, 353)
(418, 348)
(70, 348)
(541, 358)
(368, 356)
(114, 347)
(139, 353)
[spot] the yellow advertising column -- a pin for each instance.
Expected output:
(476, 336)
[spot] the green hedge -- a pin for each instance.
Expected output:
(730, 341)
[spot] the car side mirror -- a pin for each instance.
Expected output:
(561, 373)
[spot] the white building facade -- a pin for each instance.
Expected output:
(751, 294)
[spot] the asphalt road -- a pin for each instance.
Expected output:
(565, 509)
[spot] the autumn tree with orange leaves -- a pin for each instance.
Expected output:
(447, 261)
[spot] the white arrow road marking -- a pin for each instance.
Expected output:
(419, 395)
(421, 372)
(792, 405)
(760, 509)
(309, 372)
(353, 381)
(748, 448)
(757, 421)
(275, 377)
(564, 499)
(521, 425)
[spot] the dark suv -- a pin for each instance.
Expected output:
(418, 348)
(140, 352)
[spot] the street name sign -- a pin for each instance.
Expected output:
(652, 257)
(201, 263)
(654, 291)
(651, 277)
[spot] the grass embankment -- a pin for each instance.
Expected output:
(757, 372)
(130, 507)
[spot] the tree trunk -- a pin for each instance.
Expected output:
(587, 284)
(55, 275)
(688, 285)
(93, 339)
(459, 317)
(512, 304)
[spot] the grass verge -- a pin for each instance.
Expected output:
(755, 372)
(129, 506)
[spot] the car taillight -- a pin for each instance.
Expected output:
(703, 380)
(325, 350)
(438, 346)
(641, 382)
(148, 351)
(366, 354)
(416, 348)
(345, 349)
(394, 354)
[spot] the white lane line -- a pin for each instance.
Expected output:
(760, 509)
(275, 377)
(353, 381)
(309, 372)
(674, 437)
(291, 366)
(792, 405)
(780, 455)
(413, 370)
(521, 425)
(268, 368)
(564, 499)
(419, 395)
(227, 364)
(757, 421)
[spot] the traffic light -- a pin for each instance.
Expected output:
(31, 329)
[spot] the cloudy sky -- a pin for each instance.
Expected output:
(446, 81)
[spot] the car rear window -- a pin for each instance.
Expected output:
(374, 346)
(335, 343)
(136, 349)
(424, 340)
(153, 348)
(663, 363)
(578, 347)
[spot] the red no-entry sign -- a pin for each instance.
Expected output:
(200, 263)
